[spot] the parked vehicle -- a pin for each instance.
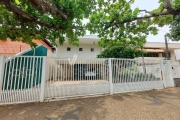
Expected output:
(90, 74)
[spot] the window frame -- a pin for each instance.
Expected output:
(81, 49)
(92, 49)
(68, 48)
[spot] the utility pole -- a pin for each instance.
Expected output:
(167, 51)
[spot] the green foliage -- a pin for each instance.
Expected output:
(113, 20)
(120, 52)
(116, 21)
(174, 34)
(45, 25)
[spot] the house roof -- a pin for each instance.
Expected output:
(14, 47)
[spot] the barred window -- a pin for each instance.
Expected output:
(68, 49)
(80, 49)
(151, 55)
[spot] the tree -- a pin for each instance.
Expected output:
(112, 20)
(119, 51)
(116, 21)
(44, 19)
(174, 34)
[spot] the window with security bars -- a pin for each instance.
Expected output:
(151, 55)
(68, 49)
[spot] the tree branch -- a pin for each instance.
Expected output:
(145, 11)
(171, 12)
(44, 7)
(24, 17)
(167, 6)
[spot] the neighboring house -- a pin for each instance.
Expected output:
(11, 48)
(157, 50)
(89, 48)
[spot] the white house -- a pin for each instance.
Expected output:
(89, 48)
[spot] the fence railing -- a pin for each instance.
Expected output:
(125, 70)
(21, 79)
(37, 78)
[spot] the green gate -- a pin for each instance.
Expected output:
(22, 72)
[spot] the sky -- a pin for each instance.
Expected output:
(150, 5)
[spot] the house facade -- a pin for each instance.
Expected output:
(157, 50)
(89, 48)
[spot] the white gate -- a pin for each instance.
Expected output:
(82, 78)
(21, 79)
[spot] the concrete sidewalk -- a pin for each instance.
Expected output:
(149, 105)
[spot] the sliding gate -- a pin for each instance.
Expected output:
(76, 78)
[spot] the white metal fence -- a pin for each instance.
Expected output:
(136, 75)
(37, 78)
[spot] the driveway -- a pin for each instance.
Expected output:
(149, 105)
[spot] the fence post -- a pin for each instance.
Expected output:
(43, 79)
(163, 73)
(171, 80)
(2, 64)
(110, 76)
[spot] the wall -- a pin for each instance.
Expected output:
(87, 43)
(7, 55)
(161, 45)
(50, 53)
(86, 53)
(173, 57)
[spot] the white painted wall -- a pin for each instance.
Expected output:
(173, 57)
(86, 53)
(50, 53)
(87, 42)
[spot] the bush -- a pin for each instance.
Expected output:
(120, 52)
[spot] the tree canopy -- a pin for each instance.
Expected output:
(112, 20)
(117, 21)
(174, 34)
(44, 19)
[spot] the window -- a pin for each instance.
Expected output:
(164, 54)
(92, 49)
(68, 49)
(151, 55)
(80, 49)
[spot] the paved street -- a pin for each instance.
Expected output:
(149, 105)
